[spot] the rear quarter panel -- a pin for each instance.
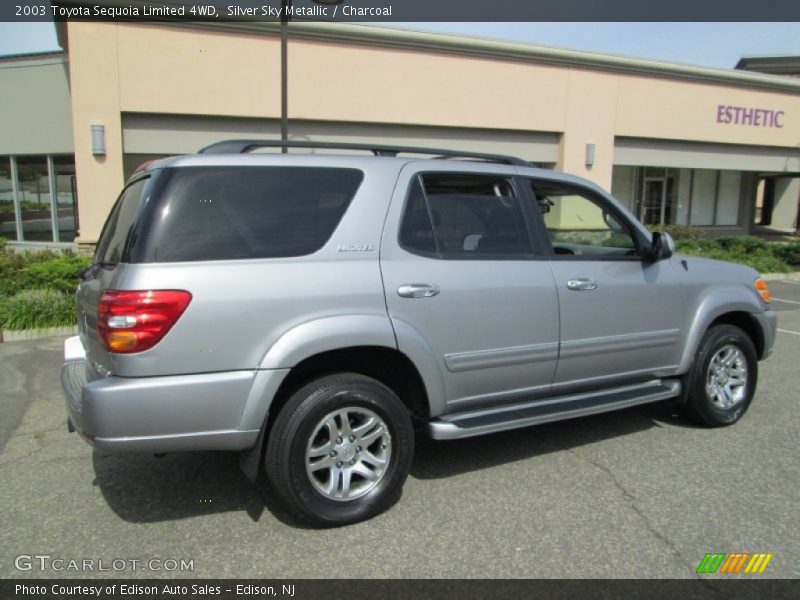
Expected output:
(241, 308)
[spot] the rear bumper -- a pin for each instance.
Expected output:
(210, 411)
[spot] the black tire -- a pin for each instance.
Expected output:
(701, 406)
(291, 435)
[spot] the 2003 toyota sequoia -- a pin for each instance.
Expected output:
(314, 311)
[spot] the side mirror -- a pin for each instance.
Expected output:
(662, 246)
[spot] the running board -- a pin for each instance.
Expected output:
(478, 422)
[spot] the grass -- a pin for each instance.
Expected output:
(37, 309)
(37, 289)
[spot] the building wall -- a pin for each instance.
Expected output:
(35, 106)
(121, 72)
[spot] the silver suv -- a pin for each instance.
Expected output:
(317, 311)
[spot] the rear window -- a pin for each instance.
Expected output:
(219, 213)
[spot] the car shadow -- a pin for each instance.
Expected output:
(141, 488)
(442, 459)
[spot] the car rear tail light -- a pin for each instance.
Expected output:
(762, 289)
(133, 321)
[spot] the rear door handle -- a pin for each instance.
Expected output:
(418, 290)
(582, 284)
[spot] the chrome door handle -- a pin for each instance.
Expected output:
(418, 290)
(582, 285)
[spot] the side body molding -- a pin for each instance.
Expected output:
(712, 303)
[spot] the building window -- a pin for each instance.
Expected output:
(38, 201)
(66, 197)
(703, 197)
(33, 196)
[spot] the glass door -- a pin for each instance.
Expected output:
(653, 201)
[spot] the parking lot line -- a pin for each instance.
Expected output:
(787, 331)
(787, 301)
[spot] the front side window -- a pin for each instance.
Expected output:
(580, 225)
(456, 215)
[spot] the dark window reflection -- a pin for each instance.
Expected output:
(66, 197)
(34, 199)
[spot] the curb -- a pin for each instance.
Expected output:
(23, 335)
(777, 276)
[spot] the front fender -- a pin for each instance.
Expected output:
(713, 303)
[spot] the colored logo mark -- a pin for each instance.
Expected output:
(736, 562)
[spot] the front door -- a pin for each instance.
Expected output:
(621, 316)
(462, 274)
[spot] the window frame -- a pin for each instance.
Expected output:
(640, 242)
(162, 178)
(538, 249)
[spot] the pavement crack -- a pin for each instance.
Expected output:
(629, 499)
(34, 432)
(21, 457)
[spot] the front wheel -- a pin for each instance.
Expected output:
(723, 378)
(340, 450)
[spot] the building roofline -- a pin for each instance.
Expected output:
(407, 39)
(370, 35)
(769, 60)
(59, 55)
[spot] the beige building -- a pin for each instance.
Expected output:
(677, 144)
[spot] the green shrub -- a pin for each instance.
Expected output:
(744, 243)
(699, 247)
(680, 232)
(760, 258)
(38, 270)
(35, 309)
(789, 253)
(60, 274)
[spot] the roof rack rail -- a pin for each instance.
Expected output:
(242, 146)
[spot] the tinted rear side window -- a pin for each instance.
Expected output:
(219, 213)
(111, 245)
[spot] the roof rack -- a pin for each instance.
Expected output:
(242, 146)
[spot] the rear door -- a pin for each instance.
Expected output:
(462, 273)
(107, 266)
(621, 315)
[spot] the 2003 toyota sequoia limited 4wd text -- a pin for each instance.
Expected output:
(317, 311)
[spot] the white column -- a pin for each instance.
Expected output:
(17, 209)
(51, 181)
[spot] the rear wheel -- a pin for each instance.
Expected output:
(340, 449)
(723, 378)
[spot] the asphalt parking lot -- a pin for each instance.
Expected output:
(639, 493)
